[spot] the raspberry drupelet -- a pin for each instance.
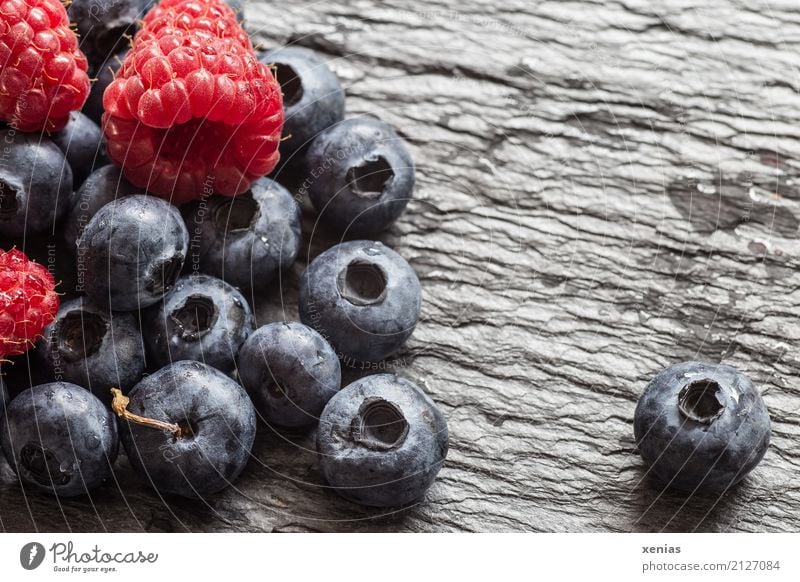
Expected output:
(192, 110)
(42, 72)
(28, 302)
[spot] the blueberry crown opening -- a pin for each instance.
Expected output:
(80, 334)
(9, 199)
(194, 318)
(290, 82)
(43, 466)
(380, 424)
(700, 401)
(163, 275)
(236, 214)
(370, 178)
(362, 283)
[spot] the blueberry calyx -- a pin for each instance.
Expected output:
(371, 178)
(195, 318)
(9, 198)
(80, 334)
(237, 214)
(120, 403)
(42, 465)
(163, 276)
(700, 401)
(362, 283)
(291, 85)
(379, 425)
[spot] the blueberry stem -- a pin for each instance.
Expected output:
(119, 405)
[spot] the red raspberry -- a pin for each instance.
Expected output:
(192, 109)
(28, 302)
(42, 72)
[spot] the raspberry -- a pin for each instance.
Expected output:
(42, 72)
(192, 110)
(28, 302)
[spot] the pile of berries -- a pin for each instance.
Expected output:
(157, 180)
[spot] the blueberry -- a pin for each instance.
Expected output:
(213, 425)
(131, 252)
(82, 143)
(104, 27)
(203, 319)
(363, 298)
(3, 398)
(59, 439)
(92, 347)
(701, 427)
(290, 372)
(104, 75)
(245, 240)
(381, 441)
(313, 98)
(359, 176)
(101, 187)
(35, 184)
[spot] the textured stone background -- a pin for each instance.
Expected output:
(605, 188)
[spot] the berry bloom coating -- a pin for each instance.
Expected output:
(28, 302)
(192, 110)
(42, 71)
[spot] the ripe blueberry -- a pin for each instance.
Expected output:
(203, 318)
(245, 240)
(83, 145)
(188, 429)
(363, 298)
(701, 427)
(131, 252)
(92, 347)
(313, 98)
(104, 185)
(381, 441)
(361, 174)
(35, 184)
(290, 372)
(59, 439)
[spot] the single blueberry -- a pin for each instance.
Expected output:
(203, 318)
(361, 176)
(246, 239)
(104, 185)
(701, 427)
(105, 27)
(313, 98)
(381, 441)
(363, 298)
(212, 425)
(35, 184)
(83, 145)
(92, 347)
(104, 74)
(131, 252)
(59, 439)
(290, 372)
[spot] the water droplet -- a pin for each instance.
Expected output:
(264, 240)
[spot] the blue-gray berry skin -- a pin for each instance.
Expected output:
(701, 427)
(290, 372)
(131, 252)
(104, 75)
(246, 239)
(83, 145)
(104, 185)
(313, 97)
(104, 27)
(219, 415)
(381, 441)
(361, 176)
(35, 184)
(3, 398)
(203, 318)
(59, 439)
(363, 298)
(90, 346)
